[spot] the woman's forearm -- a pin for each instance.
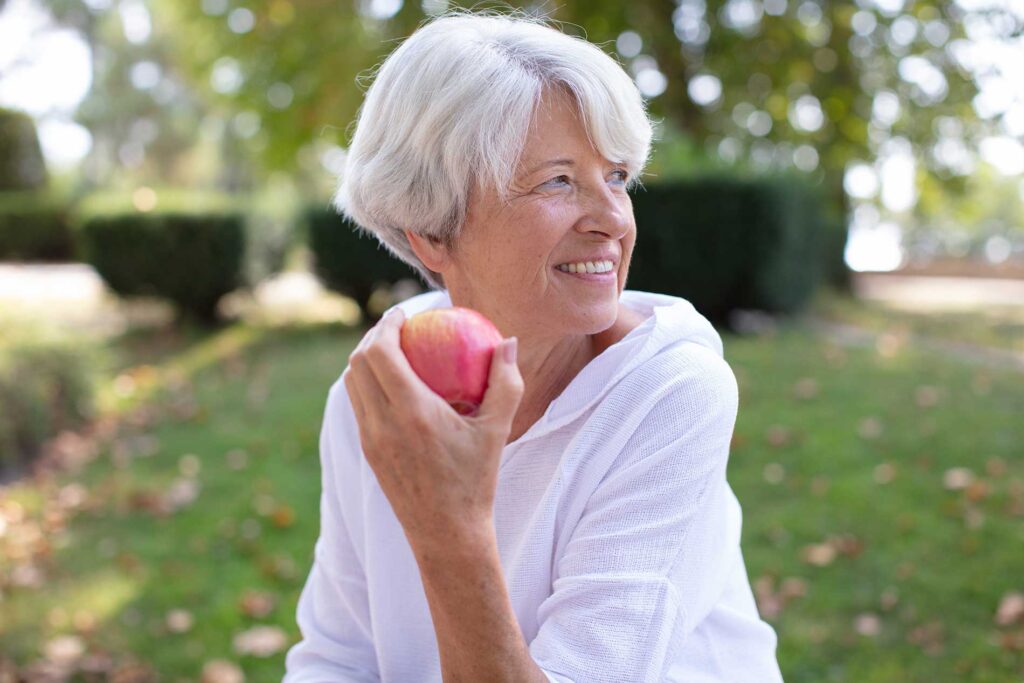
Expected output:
(478, 635)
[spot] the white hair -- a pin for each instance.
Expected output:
(454, 102)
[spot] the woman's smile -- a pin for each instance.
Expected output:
(606, 278)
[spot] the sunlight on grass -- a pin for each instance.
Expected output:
(137, 385)
(90, 601)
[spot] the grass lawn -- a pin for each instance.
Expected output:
(873, 556)
(998, 327)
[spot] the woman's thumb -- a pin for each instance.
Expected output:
(505, 384)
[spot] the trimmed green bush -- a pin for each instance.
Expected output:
(190, 260)
(727, 243)
(348, 261)
(45, 387)
(34, 227)
(22, 166)
(722, 242)
(269, 219)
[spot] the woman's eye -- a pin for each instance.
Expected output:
(561, 178)
(623, 175)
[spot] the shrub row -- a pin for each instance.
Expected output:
(34, 227)
(190, 260)
(723, 243)
(727, 243)
(350, 262)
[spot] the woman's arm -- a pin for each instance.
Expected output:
(478, 636)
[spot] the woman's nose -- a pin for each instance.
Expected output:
(607, 209)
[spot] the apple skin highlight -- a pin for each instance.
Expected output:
(451, 350)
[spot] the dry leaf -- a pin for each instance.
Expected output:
(890, 597)
(868, 624)
(820, 555)
(793, 587)
(995, 467)
(774, 473)
(957, 478)
(221, 671)
(929, 637)
(283, 517)
(847, 544)
(977, 490)
(257, 604)
(1012, 640)
(1011, 609)
(260, 641)
(64, 650)
(870, 428)
(884, 473)
(179, 620)
(778, 436)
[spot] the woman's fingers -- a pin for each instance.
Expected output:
(392, 369)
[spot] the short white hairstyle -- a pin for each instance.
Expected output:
(453, 104)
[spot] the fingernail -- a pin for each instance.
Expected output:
(510, 349)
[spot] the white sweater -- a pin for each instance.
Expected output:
(618, 533)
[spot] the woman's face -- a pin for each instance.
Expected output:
(566, 204)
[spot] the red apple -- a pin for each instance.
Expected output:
(451, 350)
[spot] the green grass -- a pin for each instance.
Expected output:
(263, 391)
(999, 327)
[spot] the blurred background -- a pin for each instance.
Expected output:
(838, 186)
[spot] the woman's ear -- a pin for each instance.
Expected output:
(430, 250)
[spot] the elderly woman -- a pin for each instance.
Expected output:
(580, 527)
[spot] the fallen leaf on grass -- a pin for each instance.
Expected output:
(867, 624)
(890, 597)
(774, 473)
(870, 428)
(778, 436)
(805, 388)
(1011, 609)
(257, 604)
(995, 467)
(929, 637)
(260, 641)
(770, 602)
(222, 671)
(823, 554)
(64, 650)
(820, 554)
(283, 517)
(179, 620)
(884, 473)
(957, 478)
(1012, 640)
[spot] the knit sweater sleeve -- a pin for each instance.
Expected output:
(651, 553)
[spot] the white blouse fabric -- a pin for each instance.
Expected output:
(618, 533)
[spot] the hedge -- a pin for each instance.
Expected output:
(722, 242)
(191, 260)
(34, 227)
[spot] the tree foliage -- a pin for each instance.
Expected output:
(814, 84)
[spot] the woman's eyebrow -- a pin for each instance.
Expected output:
(551, 162)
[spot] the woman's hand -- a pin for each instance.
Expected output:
(438, 469)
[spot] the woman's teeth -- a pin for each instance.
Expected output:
(586, 267)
